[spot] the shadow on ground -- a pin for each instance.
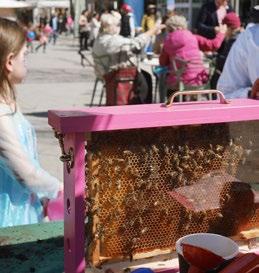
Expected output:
(38, 114)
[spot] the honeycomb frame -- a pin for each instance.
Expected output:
(130, 174)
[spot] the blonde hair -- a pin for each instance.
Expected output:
(12, 39)
(176, 22)
(110, 23)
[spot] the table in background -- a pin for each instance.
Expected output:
(159, 79)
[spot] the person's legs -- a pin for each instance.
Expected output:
(44, 47)
(81, 40)
(37, 47)
(148, 79)
(87, 34)
(55, 36)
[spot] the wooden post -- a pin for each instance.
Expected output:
(74, 199)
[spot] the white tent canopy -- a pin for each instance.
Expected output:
(53, 4)
(11, 4)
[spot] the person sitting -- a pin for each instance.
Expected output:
(181, 48)
(241, 68)
(210, 17)
(111, 51)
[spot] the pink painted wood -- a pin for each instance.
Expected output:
(74, 123)
(74, 203)
(154, 115)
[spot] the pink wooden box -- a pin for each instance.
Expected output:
(75, 123)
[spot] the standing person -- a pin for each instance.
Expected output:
(127, 21)
(233, 30)
(241, 68)
(94, 26)
(149, 19)
(84, 30)
(148, 22)
(54, 25)
(22, 181)
(210, 17)
(43, 33)
(30, 36)
(70, 24)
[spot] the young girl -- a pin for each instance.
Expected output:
(22, 181)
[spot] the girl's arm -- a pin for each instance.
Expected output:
(33, 177)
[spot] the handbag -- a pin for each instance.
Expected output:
(120, 85)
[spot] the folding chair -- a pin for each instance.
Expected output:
(179, 67)
(119, 83)
(98, 79)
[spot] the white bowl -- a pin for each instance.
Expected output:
(220, 245)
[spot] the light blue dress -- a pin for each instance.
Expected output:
(18, 204)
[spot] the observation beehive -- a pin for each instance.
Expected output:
(151, 174)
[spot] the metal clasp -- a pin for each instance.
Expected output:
(67, 158)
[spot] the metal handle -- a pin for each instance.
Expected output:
(197, 92)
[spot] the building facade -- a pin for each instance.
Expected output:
(189, 8)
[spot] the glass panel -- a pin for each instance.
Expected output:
(149, 187)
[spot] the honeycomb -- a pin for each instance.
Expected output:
(146, 188)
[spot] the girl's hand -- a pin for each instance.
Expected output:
(44, 201)
(255, 90)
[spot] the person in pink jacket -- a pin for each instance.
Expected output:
(182, 55)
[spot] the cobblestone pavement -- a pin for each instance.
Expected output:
(56, 80)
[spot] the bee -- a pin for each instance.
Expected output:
(194, 163)
(227, 197)
(211, 152)
(186, 148)
(95, 211)
(154, 148)
(187, 226)
(219, 148)
(189, 216)
(144, 230)
(166, 149)
(127, 152)
(173, 175)
(120, 160)
(180, 177)
(118, 184)
(231, 142)
(149, 185)
(217, 156)
(220, 215)
(96, 171)
(116, 169)
(179, 169)
(95, 183)
(109, 161)
(185, 166)
(167, 161)
(134, 241)
(143, 150)
(140, 220)
(156, 203)
(186, 157)
(176, 161)
(200, 153)
(95, 162)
